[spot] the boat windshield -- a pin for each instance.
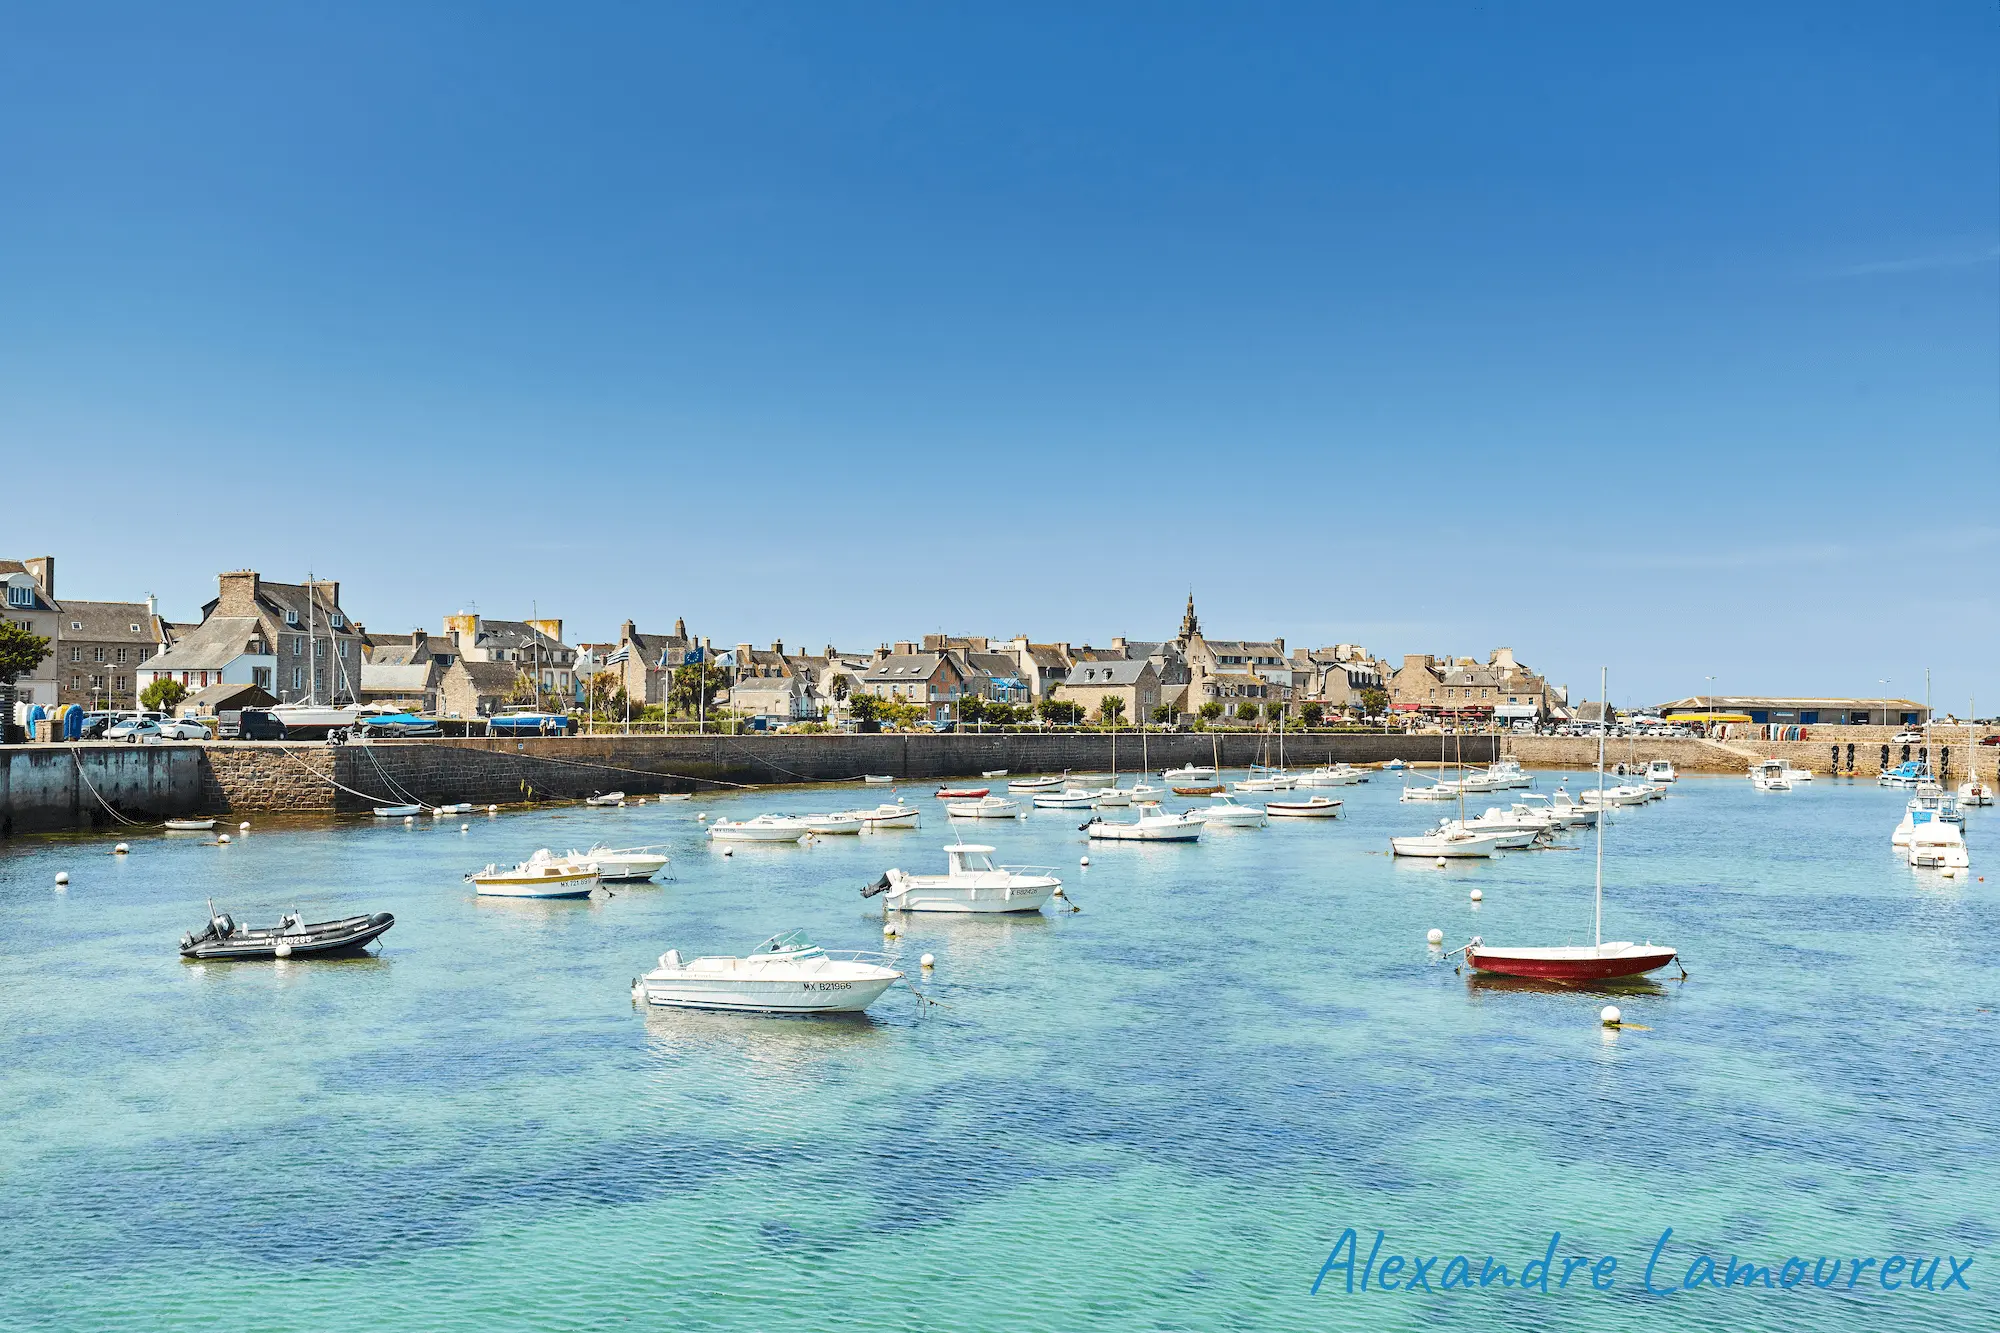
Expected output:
(792, 941)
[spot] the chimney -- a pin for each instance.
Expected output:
(462, 628)
(627, 631)
(778, 647)
(329, 591)
(552, 628)
(419, 639)
(237, 593)
(43, 570)
(906, 650)
(880, 654)
(152, 605)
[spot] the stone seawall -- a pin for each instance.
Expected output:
(1736, 756)
(44, 788)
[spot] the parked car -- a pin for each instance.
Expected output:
(1990, 740)
(95, 725)
(133, 730)
(183, 729)
(258, 725)
(1908, 738)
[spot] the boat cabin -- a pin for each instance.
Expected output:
(970, 859)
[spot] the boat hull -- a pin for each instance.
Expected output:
(766, 997)
(1580, 964)
(913, 895)
(574, 885)
(1449, 848)
(628, 869)
(322, 937)
(1302, 809)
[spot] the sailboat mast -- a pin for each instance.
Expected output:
(1603, 727)
(312, 646)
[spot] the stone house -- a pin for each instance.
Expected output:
(33, 608)
(1230, 670)
(1135, 683)
(1500, 688)
(933, 681)
(291, 639)
(1336, 676)
(477, 688)
(100, 648)
(1042, 666)
(644, 663)
(533, 647)
(786, 698)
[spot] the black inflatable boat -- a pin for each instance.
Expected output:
(222, 937)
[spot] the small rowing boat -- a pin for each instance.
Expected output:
(189, 825)
(961, 793)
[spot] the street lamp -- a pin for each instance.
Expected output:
(1711, 706)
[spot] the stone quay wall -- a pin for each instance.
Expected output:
(1736, 756)
(46, 788)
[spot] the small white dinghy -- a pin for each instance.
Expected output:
(460, 808)
(622, 865)
(189, 825)
(606, 798)
(1110, 798)
(886, 815)
(1148, 828)
(845, 821)
(878, 779)
(1331, 775)
(786, 974)
(986, 807)
(1313, 807)
(1069, 798)
(972, 883)
(1037, 784)
(992, 772)
(543, 875)
(397, 811)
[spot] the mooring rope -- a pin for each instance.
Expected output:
(94, 792)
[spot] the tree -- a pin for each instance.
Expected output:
(1163, 714)
(1110, 710)
(1002, 715)
(1312, 714)
(1211, 711)
(1273, 711)
(164, 695)
(1061, 712)
(972, 708)
(864, 708)
(523, 690)
(1246, 711)
(20, 652)
(695, 685)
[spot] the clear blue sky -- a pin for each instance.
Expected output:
(1665, 339)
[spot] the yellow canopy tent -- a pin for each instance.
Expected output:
(1679, 718)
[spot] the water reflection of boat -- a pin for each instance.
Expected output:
(1629, 986)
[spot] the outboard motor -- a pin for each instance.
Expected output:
(879, 886)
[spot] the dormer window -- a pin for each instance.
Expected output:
(135, 629)
(336, 620)
(20, 594)
(76, 624)
(291, 617)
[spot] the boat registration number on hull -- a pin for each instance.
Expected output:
(826, 985)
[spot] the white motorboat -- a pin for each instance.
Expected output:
(622, 865)
(885, 815)
(1265, 782)
(1518, 818)
(763, 828)
(1797, 775)
(972, 883)
(1394, 765)
(1069, 798)
(845, 821)
(1975, 792)
(1479, 784)
(1767, 776)
(606, 798)
(1909, 774)
(1454, 844)
(543, 875)
(189, 825)
(1331, 775)
(1507, 772)
(786, 974)
(1037, 784)
(1564, 812)
(1142, 793)
(878, 779)
(1112, 797)
(1147, 828)
(1931, 805)
(1189, 775)
(1624, 793)
(1435, 791)
(676, 796)
(1226, 813)
(1510, 839)
(1662, 770)
(986, 807)
(397, 811)
(1937, 845)
(1313, 807)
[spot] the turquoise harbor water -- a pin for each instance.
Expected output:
(1159, 1113)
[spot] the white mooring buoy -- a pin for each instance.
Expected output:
(729, 851)
(465, 828)
(1609, 1016)
(1440, 863)
(701, 819)
(492, 809)
(244, 827)
(1083, 860)
(1059, 891)
(283, 950)
(1436, 937)
(222, 838)
(889, 930)
(62, 878)
(1477, 895)
(927, 962)
(120, 849)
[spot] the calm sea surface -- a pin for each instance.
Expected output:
(1159, 1113)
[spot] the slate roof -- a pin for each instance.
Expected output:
(1122, 671)
(211, 645)
(129, 622)
(405, 677)
(904, 669)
